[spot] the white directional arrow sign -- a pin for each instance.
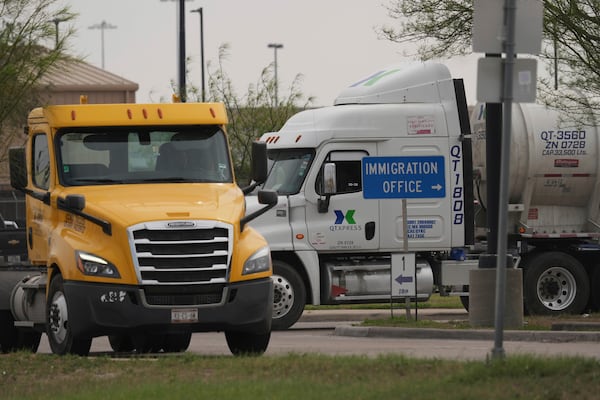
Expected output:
(403, 274)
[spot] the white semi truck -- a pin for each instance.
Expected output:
(399, 140)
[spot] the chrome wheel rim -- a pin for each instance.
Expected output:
(283, 296)
(59, 317)
(556, 288)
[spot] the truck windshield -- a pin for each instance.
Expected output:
(287, 170)
(120, 155)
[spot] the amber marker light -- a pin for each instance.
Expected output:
(299, 236)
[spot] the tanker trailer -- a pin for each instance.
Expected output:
(554, 206)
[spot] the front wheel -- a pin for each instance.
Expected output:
(244, 343)
(60, 337)
(289, 295)
(555, 283)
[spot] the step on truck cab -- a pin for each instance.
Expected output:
(136, 229)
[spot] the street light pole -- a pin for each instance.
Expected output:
(102, 26)
(181, 23)
(275, 47)
(182, 83)
(199, 11)
(56, 22)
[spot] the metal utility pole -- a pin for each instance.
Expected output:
(102, 26)
(510, 34)
(510, 11)
(56, 22)
(181, 31)
(182, 83)
(199, 11)
(275, 47)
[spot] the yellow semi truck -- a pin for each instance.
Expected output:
(136, 230)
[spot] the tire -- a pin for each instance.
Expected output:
(247, 344)
(60, 336)
(121, 343)
(177, 342)
(555, 283)
(289, 295)
(14, 339)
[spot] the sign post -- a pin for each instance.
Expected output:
(498, 28)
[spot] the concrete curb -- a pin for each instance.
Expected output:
(361, 315)
(465, 334)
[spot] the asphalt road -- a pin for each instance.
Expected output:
(333, 333)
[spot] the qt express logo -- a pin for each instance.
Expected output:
(348, 217)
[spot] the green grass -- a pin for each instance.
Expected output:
(296, 376)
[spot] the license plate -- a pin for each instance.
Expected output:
(184, 315)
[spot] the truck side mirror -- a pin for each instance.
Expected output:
(329, 179)
(259, 162)
(328, 186)
(267, 197)
(18, 168)
(260, 168)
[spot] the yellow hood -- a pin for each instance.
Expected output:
(128, 205)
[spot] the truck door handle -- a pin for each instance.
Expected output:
(370, 230)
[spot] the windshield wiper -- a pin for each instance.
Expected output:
(94, 180)
(163, 179)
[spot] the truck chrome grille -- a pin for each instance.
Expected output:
(172, 253)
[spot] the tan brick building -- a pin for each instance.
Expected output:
(64, 83)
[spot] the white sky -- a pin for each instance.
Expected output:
(332, 43)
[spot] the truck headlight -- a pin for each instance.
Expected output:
(258, 262)
(90, 264)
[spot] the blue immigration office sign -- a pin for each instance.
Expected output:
(415, 177)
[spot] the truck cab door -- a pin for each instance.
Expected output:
(38, 209)
(348, 222)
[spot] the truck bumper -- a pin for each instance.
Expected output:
(102, 309)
